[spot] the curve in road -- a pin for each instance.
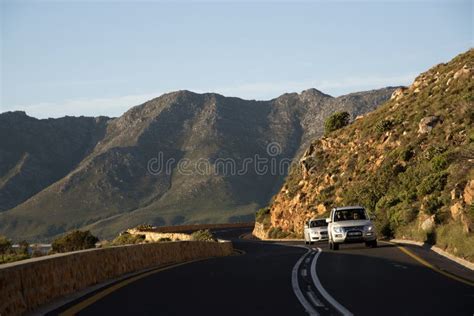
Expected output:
(354, 280)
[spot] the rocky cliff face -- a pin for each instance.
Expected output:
(410, 162)
(113, 180)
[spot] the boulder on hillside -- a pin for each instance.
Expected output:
(428, 224)
(427, 124)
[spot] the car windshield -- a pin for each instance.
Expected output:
(349, 214)
(318, 223)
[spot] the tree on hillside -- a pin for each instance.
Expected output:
(75, 240)
(336, 121)
(5, 246)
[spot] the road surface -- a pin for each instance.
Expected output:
(291, 279)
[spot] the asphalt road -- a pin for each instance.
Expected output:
(274, 279)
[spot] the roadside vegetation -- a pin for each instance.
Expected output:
(410, 163)
(73, 241)
(10, 254)
(126, 238)
(203, 235)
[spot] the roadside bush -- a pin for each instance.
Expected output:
(203, 235)
(433, 182)
(75, 240)
(409, 214)
(23, 247)
(144, 227)
(128, 239)
(36, 252)
(336, 121)
(164, 239)
(5, 246)
(277, 233)
(452, 238)
(432, 204)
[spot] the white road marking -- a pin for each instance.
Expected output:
(399, 266)
(296, 288)
(314, 299)
(303, 273)
(341, 309)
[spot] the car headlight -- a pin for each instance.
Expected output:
(369, 228)
(337, 229)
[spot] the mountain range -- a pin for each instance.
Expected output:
(103, 174)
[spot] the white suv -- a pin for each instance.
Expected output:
(315, 230)
(350, 224)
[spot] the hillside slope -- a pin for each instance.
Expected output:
(112, 188)
(410, 163)
(36, 153)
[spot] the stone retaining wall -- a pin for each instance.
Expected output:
(155, 236)
(25, 285)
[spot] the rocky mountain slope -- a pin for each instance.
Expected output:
(36, 153)
(410, 163)
(117, 184)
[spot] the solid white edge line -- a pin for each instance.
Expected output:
(341, 309)
(294, 282)
(314, 299)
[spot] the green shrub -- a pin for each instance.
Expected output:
(433, 151)
(409, 214)
(407, 154)
(262, 214)
(144, 227)
(452, 238)
(336, 121)
(408, 196)
(203, 235)
(432, 204)
(75, 240)
(12, 257)
(23, 247)
(383, 126)
(126, 238)
(277, 233)
(5, 246)
(433, 182)
(439, 162)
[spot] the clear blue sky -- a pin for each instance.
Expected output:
(102, 57)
